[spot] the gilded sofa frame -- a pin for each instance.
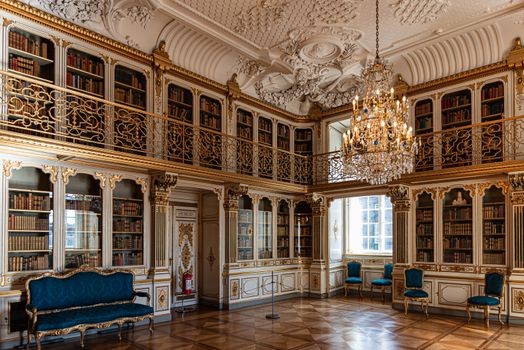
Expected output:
(488, 307)
(424, 302)
(33, 313)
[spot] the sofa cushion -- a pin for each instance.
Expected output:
(416, 293)
(483, 301)
(90, 315)
(381, 282)
(81, 289)
(353, 280)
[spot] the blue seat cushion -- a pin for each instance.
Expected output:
(416, 293)
(90, 315)
(353, 280)
(483, 301)
(381, 282)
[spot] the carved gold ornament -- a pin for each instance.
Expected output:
(518, 300)
(52, 171)
(211, 258)
(66, 173)
(113, 179)
(102, 178)
(10, 165)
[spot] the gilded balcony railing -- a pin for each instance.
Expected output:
(494, 141)
(29, 106)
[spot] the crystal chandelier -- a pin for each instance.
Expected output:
(378, 145)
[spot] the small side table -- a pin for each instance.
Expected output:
(181, 297)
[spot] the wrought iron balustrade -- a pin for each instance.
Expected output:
(31, 107)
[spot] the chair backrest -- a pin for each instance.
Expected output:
(354, 269)
(494, 284)
(79, 288)
(388, 271)
(414, 278)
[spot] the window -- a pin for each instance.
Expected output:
(370, 225)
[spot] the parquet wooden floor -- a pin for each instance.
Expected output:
(310, 324)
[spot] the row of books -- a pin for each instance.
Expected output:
(494, 243)
(178, 112)
(245, 255)
(462, 115)
(27, 222)
(244, 117)
(492, 92)
(127, 208)
(492, 228)
(84, 63)
(425, 256)
(130, 97)
(245, 242)
(29, 263)
(424, 243)
(423, 108)
(283, 131)
(28, 242)
(211, 122)
(85, 83)
(266, 139)
(123, 259)
(458, 257)
(457, 243)
(176, 94)
(283, 144)
(94, 205)
(282, 231)
(265, 253)
(35, 46)
(245, 216)
(424, 214)
(303, 241)
(29, 201)
(463, 213)
(209, 106)
(304, 148)
(245, 133)
(283, 253)
(83, 240)
(129, 78)
(302, 220)
(303, 252)
(303, 135)
(491, 212)
(265, 125)
(304, 231)
(245, 230)
(283, 242)
(455, 101)
(74, 260)
(493, 259)
(457, 229)
(282, 219)
(493, 108)
(132, 242)
(24, 65)
(425, 229)
(122, 225)
(424, 123)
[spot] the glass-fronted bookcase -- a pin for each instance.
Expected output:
(245, 228)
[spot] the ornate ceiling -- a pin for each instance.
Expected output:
(277, 45)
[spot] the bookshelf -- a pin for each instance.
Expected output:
(211, 119)
(265, 153)
(283, 137)
(245, 148)
(180, 108)
(283, 238)
(85, 73)
(304, 142)
(457, 238)
(130, 87)
(128, 224)
(492, 108)
(31, 55)
(424, 125)
(245, 228)
(424, 228)
(30, 221)
(283, 158)
(265, 229)
(83, 222)
(303, 231)
(456, 112)
(494, 227)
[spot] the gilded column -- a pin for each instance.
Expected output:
(319, 275)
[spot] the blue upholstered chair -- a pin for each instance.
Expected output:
(493, 293)
(384, 282)
(354, 277)
(413, 289)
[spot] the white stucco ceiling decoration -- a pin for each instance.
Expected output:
(422, 11)
(315, 64)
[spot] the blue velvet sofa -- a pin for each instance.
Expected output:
(59, 304)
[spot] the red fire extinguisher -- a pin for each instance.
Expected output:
(187, 284)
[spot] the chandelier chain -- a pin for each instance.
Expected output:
(377, 29)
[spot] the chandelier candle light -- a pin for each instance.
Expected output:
(379, 146)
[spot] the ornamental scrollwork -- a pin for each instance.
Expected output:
(516, 181)
(52, 170)
(317, 202)
(164, 182)
(142, 181)
(66, 173)
(10, 165)
(113, 179)
(102, 178)
(399, 196)
(233, 194)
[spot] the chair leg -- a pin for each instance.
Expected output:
(469, 312)
(371, 298)
(383, 295)
(406, 307)
(426, 309)
(360, 290)
(82, 339)
(28, 339)
(119, 324)
(151, 324)
(486, 315)
(345, 290)
(500, 316)
(422, 307)
(37, 338)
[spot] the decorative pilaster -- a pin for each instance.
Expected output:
(399, 196)
(161, 186)
(515, 61)
(233, 192)
(319, 270)
(516, 183)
